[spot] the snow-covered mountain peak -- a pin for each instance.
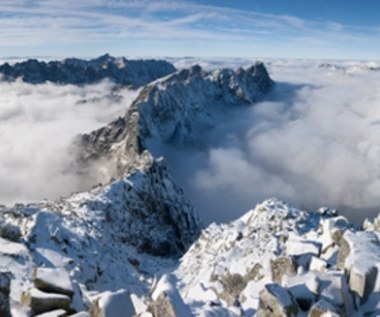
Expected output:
(80, 72)
(177, 109)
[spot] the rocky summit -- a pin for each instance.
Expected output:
(79, 72)
(133, 246)
(176, 110)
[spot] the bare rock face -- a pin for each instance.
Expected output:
(10, 232)
(282, 266)
(323, 308)
(167, 301)
(5, 285)
(41, 302)
(169, 305)
(276, 301)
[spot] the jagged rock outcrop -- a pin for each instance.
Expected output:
(175, 109)
(79, 72)
(276, 301)
(114, 236)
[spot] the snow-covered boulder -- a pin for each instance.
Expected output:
(41, 302)
(113, 304)
(359, 256)
(53, 280)
(276, 301)
(54, 313)
(166, 300)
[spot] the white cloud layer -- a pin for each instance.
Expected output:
(314, 142)
(37, 126)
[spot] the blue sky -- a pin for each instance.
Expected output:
(330, 29)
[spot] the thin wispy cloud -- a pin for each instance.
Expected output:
(136, 26)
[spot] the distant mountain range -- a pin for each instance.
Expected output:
(79, 72)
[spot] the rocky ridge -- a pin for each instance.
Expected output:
(176, 109)
(277, 260)
(114, 237)
(80, 72)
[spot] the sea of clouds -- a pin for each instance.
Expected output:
(313, 141)
(38, 124)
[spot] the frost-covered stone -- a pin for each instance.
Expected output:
(317, 264)
(169, 305)
(53, 280)
(302, 247)
(81, 314)
(359, 256)
(276, 301)
(113, 304)
(363, 282)
(166, 300)
(54, 313)
(41, 302)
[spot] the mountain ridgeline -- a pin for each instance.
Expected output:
(176, 109)
(80, 72)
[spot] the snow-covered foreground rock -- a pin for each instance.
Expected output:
(280, 261)
(62, 255)
(103, 253)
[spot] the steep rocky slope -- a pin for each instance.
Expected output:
(77, 71)
(114, 237)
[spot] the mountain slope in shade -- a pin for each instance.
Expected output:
(79, 72)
